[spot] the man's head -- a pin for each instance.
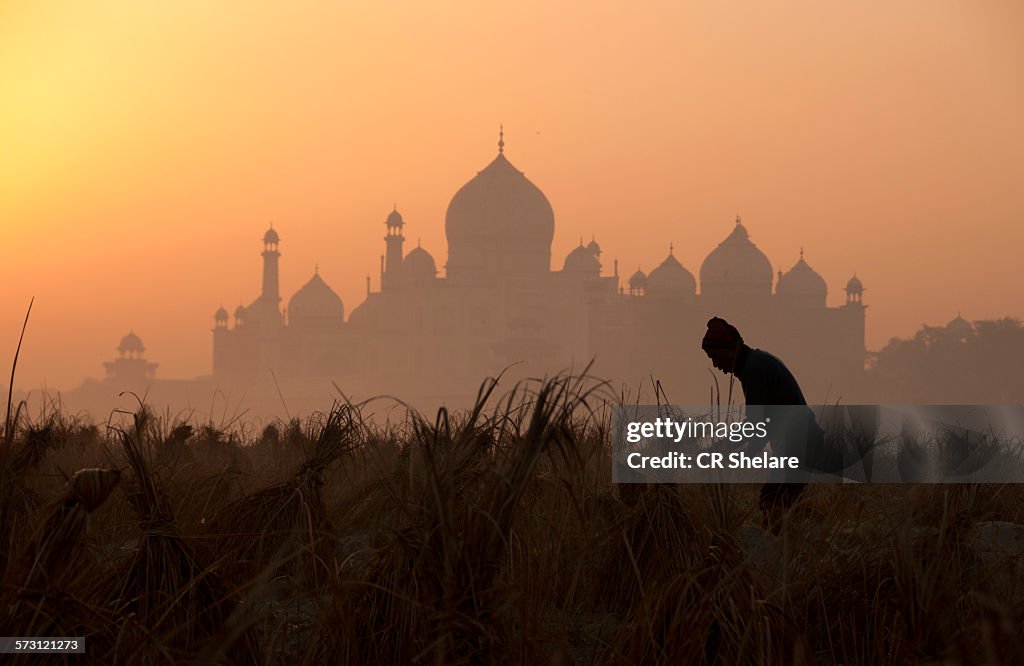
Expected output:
(722, 343)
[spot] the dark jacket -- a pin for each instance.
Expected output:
(766, 380)
(771, 392)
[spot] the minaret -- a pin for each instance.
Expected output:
(855, 291)
(271, 290)
(220, 319)
(393, 257)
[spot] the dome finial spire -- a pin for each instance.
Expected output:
(801, 253)
(316, 268)
(501, 139)
(738, 218)
(671, 248)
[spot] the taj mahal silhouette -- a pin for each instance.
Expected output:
(499, 305)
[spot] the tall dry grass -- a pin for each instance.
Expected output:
(492, 535)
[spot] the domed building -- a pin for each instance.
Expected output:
(854, 290)
(959, 328)
(638, 283)
(130, 369)
(496, 306)
(582, 261)
(671, 280)
(316, 306)
(736, 268)
(419, 267)
(130, 346)
(801, 286)
(498, 224)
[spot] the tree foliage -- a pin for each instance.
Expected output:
(978, 364)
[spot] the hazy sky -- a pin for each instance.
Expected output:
(145, 147)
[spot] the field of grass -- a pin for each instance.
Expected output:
(490, 536)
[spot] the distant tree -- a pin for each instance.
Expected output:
(953, 364)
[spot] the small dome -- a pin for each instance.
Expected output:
(638, 280)
(960, 326)
(736, 266)
(802, 281)
(394, 219)
(358, 314)
(670, 278)
(581, 260)
(418, 265)
(131, 343)
(315, 304)
(240, 312)
(368, 314)
(854, 286)
(271, 236)
(221, 314)
(594, 247)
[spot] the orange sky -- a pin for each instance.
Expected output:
(144, 147)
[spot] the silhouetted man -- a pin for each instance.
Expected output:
(768, 383)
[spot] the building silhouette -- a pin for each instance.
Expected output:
(130, 368)
(498, 304)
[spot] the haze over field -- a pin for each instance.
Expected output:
(144, 149)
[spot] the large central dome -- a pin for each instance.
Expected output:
(736, 268)
(499, 223)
